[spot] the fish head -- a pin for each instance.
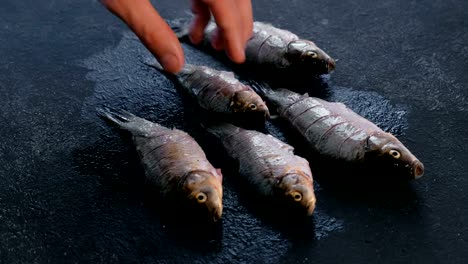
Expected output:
(387, 149)
(306, 55)
(298, 191)
(204, 189)
(248, 101)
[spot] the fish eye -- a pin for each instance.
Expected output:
(394, 153)
(311, 54)
(296, 196)
(201, 197)
(253, 106)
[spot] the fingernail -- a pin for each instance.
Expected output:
(170, 63)
(195, 39)
(237, 55)
(216, 41)
(194, 35)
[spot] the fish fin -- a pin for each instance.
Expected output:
(127, 121)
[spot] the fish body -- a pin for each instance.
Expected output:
(269, 165)
(277, 49)
(333, 130)
(219, 91)
(173, 162)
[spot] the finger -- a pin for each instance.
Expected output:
(217, 40)
(152, 30)
(246, 17)
(202, 17)
(225, 14)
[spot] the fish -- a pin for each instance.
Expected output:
(173, 162)
(275, 49)
(333, 130)
(269, 165)
(218, 91)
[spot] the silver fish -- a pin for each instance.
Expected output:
(219, 91)
(269, 165)
(276, 49)
(335, 131)
(173, 162)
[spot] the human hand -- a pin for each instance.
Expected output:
(233, 17)
(234, 20)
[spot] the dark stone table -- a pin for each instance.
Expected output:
(71, 189)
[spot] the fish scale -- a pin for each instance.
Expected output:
(268, 164)
(274, 49)
(335, 131)
(218, 91)
(173, 162)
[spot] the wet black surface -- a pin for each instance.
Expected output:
(72, 190)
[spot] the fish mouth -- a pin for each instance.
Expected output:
(217, 213)
(331, 65)
(417, 169)
(311, 208)
(216, 216)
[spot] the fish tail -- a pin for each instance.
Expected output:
(126, 121)
(187, 69)
(221, 130)
(261, 88)
(156, 65)
(180, 27)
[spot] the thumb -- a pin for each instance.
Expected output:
(152, 30)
